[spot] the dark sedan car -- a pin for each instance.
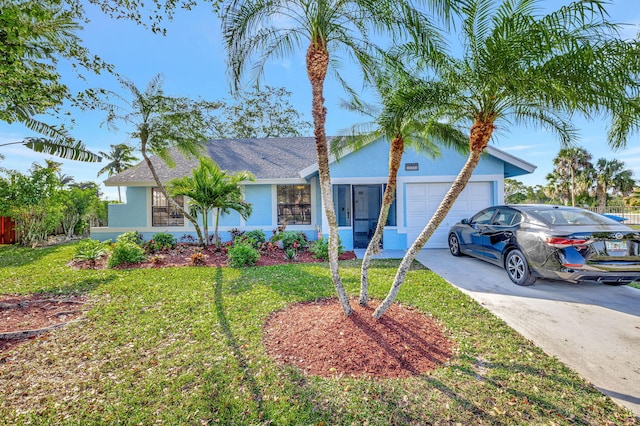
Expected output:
(541, 241)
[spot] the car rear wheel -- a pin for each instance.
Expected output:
(518, 269)
(454, 245)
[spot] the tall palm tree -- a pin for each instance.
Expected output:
(572, 166)
(611, 176)
(268, 28)
(120, 159)
(403, 127)
(210, 188)
(518, 66)
(160, 123)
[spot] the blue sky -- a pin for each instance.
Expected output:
(191, 58)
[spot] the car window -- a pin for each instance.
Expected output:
(483, 217)
(570, 216)
(507, 217)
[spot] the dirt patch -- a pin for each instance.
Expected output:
(24, 317)
(317, 338)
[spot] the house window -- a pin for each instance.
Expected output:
(164, 213)
(342, 203)
(294, 204)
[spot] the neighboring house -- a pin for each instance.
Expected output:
(286, 191)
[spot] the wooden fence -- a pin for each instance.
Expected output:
(7, 230)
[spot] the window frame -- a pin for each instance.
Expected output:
(300, 213)
(165, 215)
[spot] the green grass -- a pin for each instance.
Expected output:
(184, 346)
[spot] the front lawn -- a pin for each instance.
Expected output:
(184, 346)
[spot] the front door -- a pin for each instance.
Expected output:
(367, 200)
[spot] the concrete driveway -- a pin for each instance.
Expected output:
(592, 328)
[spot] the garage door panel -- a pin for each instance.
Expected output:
(424, 198)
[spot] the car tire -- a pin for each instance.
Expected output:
(454, 245)
(517, 268)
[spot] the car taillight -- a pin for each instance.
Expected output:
(563, 242)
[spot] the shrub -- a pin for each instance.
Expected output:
(187, 238)
(198, 259)
(247, 240)
(157, 260)
(242, 255)
(320, 248)
(268, 246)
(291, 254)
(235, 232)
(125, 252)
(289, 238)
(133, 237)
(258, 235)
(90, 250)
(160, 241)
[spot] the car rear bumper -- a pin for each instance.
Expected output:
(592, 274)
(569, 265)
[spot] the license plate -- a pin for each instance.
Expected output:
(616, 246)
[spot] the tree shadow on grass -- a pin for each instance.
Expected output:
(84, 286)
(247, 372)
(537, 400)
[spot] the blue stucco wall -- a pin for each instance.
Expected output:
(260, 198)
(133, 213)
(373, 161)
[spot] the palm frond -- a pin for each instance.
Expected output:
(69, 149)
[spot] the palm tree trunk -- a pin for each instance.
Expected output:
(205, 226)
(573, 187)
(317, 64)
(395, 157)
(601, 197)
(215, 232)
(479, 138)
(170, 199)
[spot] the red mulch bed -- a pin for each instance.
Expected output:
(33, 313)
(315, 337)
(216, 257)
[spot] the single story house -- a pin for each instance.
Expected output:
(287, 191)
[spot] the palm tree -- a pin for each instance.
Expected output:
(520, 67)
(403, 127)
(611, 176)
(210, 188)
(160, 123)
(572, 170)
(120, 159)
(277, 27)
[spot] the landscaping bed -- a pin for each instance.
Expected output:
(23, 317)
(183, 255)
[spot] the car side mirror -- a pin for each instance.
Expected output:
(465, 221)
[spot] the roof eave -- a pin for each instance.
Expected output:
(513, 160)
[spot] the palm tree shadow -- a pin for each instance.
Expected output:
(247, 372)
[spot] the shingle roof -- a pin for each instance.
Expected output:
(266, 158)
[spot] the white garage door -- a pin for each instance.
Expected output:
(424, 198)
